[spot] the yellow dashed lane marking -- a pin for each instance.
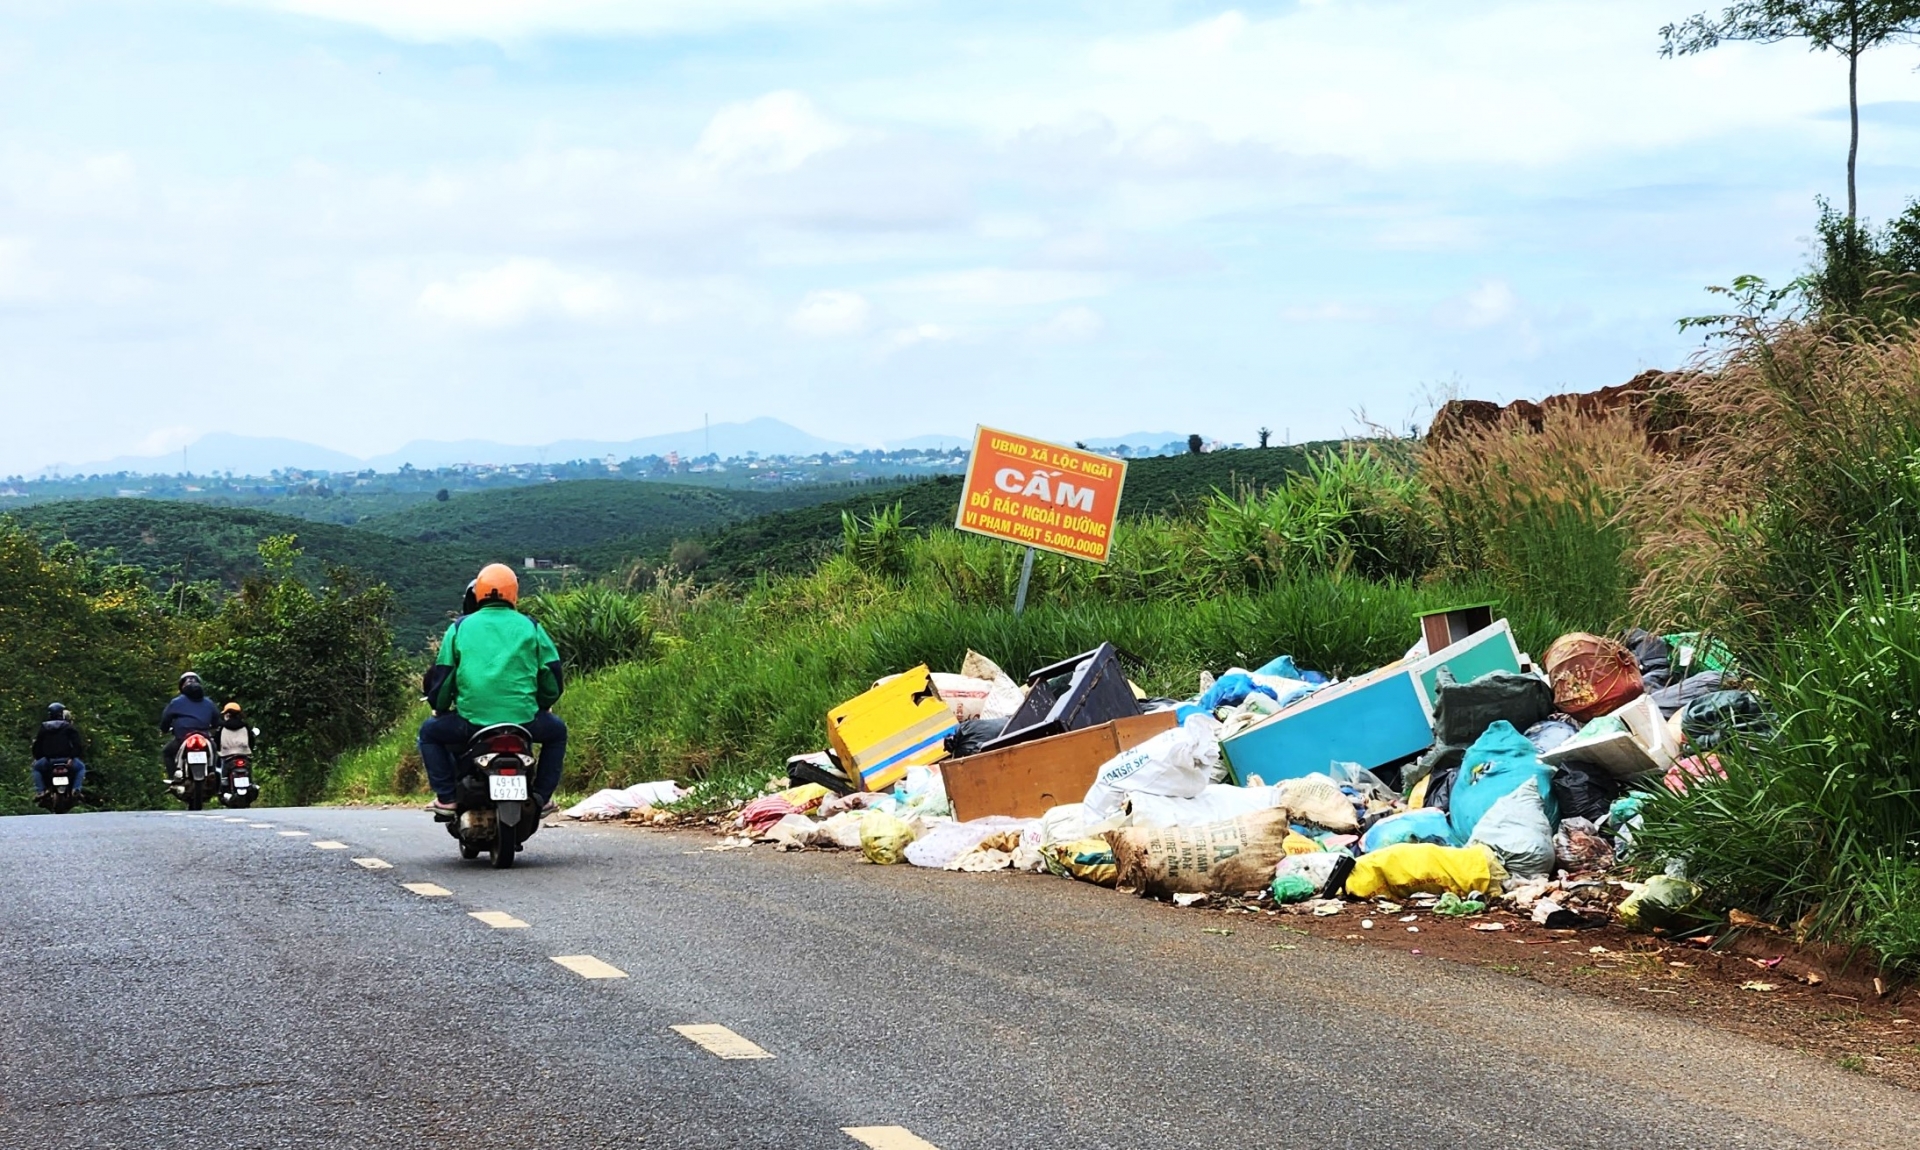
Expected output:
(427, 889)
(720, 1042)
(374, 864)
(587, 966)
(293, 834)
(329, 845)
(498, 919)
(887, 1138)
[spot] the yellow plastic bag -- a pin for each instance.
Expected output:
(884, 839)
(1089, 860)
(1299, 844)
(1423, 868)
(806, 797)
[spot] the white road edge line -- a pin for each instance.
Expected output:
(720, 1042)
(498, 919)
(293, 834)
(374, 863)
(587, 966)
(329, 845)
(426, 889)
(887, 1138)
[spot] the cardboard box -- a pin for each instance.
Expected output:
(1027, 780)
(899, 724)
(1378, 718)
(1646, 745)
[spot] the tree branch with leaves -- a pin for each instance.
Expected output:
(1849, 27)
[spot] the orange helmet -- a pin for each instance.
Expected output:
(497, 584)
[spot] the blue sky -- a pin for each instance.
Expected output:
(361, 222)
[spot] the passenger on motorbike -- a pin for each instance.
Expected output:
(189, 711)
(233, 737)
(57, 738)
(496, 665)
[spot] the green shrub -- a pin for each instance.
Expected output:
(594, 625)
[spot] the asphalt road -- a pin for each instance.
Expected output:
(193, 982)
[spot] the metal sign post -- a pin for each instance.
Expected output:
(1026, 574)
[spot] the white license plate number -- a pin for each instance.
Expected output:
(502, 788)
(59, 780)
(196, 757)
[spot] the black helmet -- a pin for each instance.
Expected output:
(189, 676)
(470, 602)
(56, 710)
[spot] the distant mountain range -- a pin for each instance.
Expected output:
(220, 451)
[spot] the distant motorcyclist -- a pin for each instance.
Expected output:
(496, 665)
(57, 738)
(189, 712)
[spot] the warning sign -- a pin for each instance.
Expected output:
(1041, 494)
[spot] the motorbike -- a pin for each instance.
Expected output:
(59, 797)
(195, 778)
(236, 781)
(493, 809)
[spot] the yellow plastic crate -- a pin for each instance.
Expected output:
(901, 723)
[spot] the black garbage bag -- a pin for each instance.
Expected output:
(1585, 791)
(1714, 718)
(1462, 712)
(1440, 790)
(1654, 656)
(969, 737)
(1674, 697)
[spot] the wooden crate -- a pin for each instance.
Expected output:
(1027, 780)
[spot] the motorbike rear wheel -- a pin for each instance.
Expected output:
(505, 840)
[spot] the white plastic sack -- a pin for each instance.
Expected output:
(1318, 801)
(611, 804)
(1316, 868)
(1515, 828)
(1218, 802)
(842, 830)
(923, 792)
(1006, 696)
(947, 842)
(966, 697)
(1178, 764)
(791, 831)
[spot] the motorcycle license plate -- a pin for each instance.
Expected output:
(59, 780)
(507, 787)
(241, 784)
(196, 757)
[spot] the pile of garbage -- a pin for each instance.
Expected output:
(1463, 776)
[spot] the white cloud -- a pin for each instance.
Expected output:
(1331, 312)
(508, 21)
(775, 133)
(830, 313)
(1071, 325)
(1486, 304)
(920, 333)
(17, 278)
(516, 291)
(1003, 287)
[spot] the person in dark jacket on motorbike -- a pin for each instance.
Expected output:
(496, 665)
(190, 711)
(57, 738)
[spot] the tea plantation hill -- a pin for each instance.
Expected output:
(198, 541)
(426, 553)
(575, 521)
(791, 542)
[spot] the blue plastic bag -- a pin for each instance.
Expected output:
(1496, 765)
(1231, 690)
(1423, 825)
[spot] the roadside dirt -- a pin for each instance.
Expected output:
(1751, 982)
